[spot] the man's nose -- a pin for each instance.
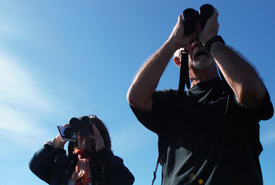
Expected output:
(195, 43)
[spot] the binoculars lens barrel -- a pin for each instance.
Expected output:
(189, 17)
(68, 132)
(76, 124)
(86, 121)
(189, 14)
(206, 11)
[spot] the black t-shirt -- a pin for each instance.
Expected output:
(206, 138)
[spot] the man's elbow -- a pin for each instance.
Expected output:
(133, 99)
(251, 96)
(130, 98)
(139, 102)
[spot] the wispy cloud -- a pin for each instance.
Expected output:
(21, 102)
(15, 24)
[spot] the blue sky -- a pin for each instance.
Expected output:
(60, 59)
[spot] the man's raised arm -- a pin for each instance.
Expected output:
(146, 81)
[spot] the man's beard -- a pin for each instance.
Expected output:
(202, 64)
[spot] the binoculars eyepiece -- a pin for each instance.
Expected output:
(190, 16)
(76, 124)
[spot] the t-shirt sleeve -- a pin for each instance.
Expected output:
(264, 111)
(162, 109)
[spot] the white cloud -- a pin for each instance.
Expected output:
(21, 102)
(17, 86)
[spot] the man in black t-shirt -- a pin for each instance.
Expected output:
(211, 134)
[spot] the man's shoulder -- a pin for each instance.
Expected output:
(166, 92)
(166, 96)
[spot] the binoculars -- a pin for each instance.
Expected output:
(190, 16)
(76, 124)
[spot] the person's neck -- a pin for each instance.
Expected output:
(202, 76)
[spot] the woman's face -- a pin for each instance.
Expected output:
(86, 143)
(92, 142)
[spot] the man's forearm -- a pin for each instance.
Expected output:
(147, 79)
(239, 74)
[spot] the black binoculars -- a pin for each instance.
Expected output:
(190, 16)
(76, 124)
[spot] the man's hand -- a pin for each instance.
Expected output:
(141, 90)
(210, 29)
(177, 36)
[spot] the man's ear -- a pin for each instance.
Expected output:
(177, 61)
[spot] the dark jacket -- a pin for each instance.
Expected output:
(53, 166)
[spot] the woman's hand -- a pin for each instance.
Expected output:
(97, 138)
(58, 143)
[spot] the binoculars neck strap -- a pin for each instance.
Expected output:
(184, 73)
(184, 80)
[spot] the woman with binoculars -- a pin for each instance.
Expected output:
(90, 160)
